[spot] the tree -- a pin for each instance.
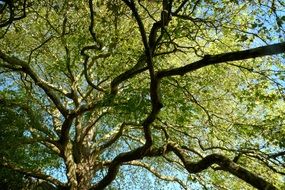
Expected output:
(17, 120)
(190, 91)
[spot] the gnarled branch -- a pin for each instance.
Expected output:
(225, 163)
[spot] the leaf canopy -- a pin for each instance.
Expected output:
(143, 94)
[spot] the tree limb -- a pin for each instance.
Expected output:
(12, 16)
(157, 173)
(224, 57)
(114, 138)
(226, 164)
(149, 44)
(38, 81)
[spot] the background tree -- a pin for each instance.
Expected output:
(188, 91)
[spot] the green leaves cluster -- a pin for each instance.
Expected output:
(233, 108)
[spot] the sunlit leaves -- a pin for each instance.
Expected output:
(234, 108)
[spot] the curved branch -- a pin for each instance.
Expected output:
(114, 138)
(139, 152)
(149, 44)
(91, 26)
(226, 164)
(224, 57)
(12, 16)
(138, 68)
(38, 81)
(87, 77)
(115, 165)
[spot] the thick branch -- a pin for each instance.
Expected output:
(226, 164)
(115, 165)
(139, 152)
(65, 129)
(149, 44)
(91, 26)
(224, 57)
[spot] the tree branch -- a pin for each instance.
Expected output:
(12, 16)
(139, 67)
(139, 152)
(149, 44)
(157, 173)
(91, 26)
(65, 129)
(114, 138)
(89, 127)
(226, 164)
(33, 173)
(224, 57)
(38, 81)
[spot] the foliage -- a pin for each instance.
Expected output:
(109, 94)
